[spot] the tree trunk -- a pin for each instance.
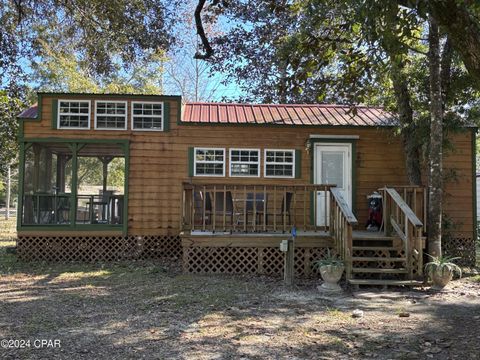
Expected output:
(463, 29)
(9, 185)
(282, 91)
(461, 25)
(405, 113)
(435, 188)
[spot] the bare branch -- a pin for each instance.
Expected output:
(201, 32)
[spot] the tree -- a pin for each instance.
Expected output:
(188, 76)
(10, 107)
(371, 52)
(101, 32)
(435, 189)
(60, 70)
(460, 20)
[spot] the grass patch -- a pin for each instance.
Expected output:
(8, 229)
(475, 278)
(336, 313)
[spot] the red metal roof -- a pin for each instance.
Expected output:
(288, 114)
(30, 113)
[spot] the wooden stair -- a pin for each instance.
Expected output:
(385, 282)
(377, 260)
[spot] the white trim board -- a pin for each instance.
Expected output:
(339, 137)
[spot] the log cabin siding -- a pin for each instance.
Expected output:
(159, 162)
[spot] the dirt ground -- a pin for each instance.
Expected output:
(151, 310)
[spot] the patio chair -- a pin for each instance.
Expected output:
(284, 209)
(103, 205)
(219, 204)
(200, 197)
(260, 206)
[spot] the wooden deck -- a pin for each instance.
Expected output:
(271, 239)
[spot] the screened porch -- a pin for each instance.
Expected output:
(73, 184)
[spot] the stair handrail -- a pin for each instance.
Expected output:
(404, 207)
(342, 203)
(341, 225)
(412, 227)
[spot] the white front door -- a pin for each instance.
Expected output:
(333, 165)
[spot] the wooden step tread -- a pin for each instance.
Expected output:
(380, 271)
(372, 238)
(384, 282)
(375, 258)
(387, 248)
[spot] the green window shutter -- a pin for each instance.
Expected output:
(54, 113)
(166, 116)
(298, 164)
(190, 161)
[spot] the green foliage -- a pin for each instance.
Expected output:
(90, 172)
(329, 259)
(335, 51)
(442, 264)
(10, 107)
(101, 33)
(64, 71)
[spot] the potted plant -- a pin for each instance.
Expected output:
(331, 269)
(441, 270)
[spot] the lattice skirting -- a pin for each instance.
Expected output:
(93, 248)
(259, 260)
(462, 247)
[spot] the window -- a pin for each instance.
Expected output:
(244, 162)
(73, 114)
(147, 116)
(209, 162)
(111, 115)
(279, 163)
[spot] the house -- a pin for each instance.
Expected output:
(107, 177)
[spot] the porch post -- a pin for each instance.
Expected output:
(105, 161)
(36, 167)
(73, 194)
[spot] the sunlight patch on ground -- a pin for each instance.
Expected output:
(79, 275)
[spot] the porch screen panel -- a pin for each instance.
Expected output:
(47, 184)
(100, 184)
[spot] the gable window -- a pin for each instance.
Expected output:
(147, 116)
(279, 163)
(111, 115)
(73, 114)
(209, 162)
(245, 162)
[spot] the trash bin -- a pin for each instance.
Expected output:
(375, 212)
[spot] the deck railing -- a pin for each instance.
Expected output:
(341, 224)
(416, 199)
(254, 208)
(56, 209)
(401, 219)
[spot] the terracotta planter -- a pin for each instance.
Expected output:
(441, 277)
(331, 275)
